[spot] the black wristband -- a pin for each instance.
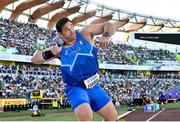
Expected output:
(47, 54)
(106, 34)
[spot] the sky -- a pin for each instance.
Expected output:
(160, 8)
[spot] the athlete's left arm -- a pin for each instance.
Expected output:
(106, 29)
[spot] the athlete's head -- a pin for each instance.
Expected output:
(66, 29)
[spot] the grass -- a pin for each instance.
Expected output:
(62, 114)
(50, 115)
(171, 105)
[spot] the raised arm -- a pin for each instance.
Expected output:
(106, 29)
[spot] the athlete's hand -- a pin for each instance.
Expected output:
(56, 49)
(57, 40)
(56, 45)
(104, 42)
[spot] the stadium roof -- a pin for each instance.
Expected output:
(82, 12)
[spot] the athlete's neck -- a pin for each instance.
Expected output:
(69, 43)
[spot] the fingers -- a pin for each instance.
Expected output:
(57, 40)
(56, 45)
(104, 43)
(52, 48)
(56, 49)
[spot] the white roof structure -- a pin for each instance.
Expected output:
(126, 15)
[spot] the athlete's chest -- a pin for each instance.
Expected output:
(78, 51)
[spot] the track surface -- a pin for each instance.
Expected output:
(160, 115)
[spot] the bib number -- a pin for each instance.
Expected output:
(91, 82)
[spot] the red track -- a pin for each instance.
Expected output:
(160, 115)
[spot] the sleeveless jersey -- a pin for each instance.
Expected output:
(79, 61)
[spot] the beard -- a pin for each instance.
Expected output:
(70, 38)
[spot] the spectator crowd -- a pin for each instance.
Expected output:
(17, 81)
(23, 38)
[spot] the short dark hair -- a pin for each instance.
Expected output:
(61, 23)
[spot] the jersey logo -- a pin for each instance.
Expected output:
(77, 54)
(80, 42)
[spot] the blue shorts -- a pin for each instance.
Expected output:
(95, 97)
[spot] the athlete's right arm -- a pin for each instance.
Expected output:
(39, 57)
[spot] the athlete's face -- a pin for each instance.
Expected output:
(68, 31)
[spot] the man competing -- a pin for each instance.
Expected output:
(79, 68)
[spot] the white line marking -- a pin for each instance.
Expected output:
(153, 116)
(122, 115)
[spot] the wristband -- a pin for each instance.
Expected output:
(47, 54)
(106, 34)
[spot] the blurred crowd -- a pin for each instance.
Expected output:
(127, 54)
(19, 81)
(23, 38)
(128, 87)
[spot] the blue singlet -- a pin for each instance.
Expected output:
(79, 62)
